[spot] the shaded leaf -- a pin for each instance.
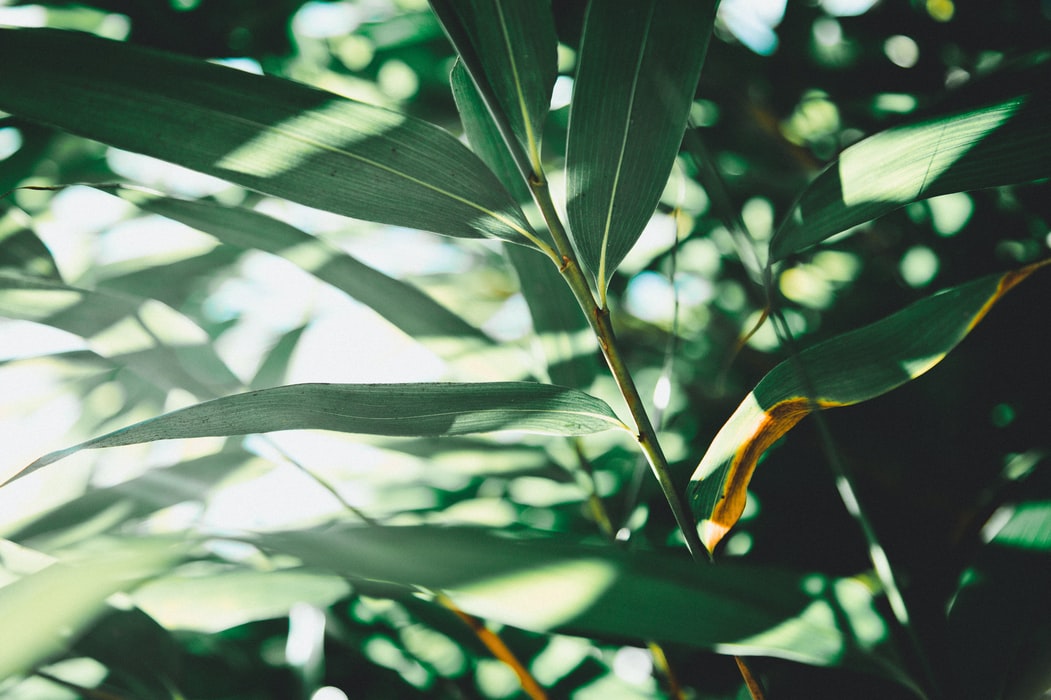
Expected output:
(999, 142)
(271, 135)
(61, 600)
(374, 409)
(554, 583)
(844, 370)
(508, 48)
(638, 69)
(22, 250)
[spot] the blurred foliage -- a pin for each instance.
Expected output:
(940, 464)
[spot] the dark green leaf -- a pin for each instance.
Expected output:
(509, 49)
(638, 69)
(999, 142)
(555, 583)
(375, 409)
(268, 134)
(844, 370)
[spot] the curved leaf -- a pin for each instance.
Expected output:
(271, 135)
(638, 69)
(844, 370)
(374, 409)
(509, 49)
(553, 583)
(999, 142)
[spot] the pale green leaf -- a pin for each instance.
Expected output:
(43, 611)
(271, 135)
(847, 369)
(638, 69)
(509, 49)
(374, 409)
(554, 583)
(1001, 140)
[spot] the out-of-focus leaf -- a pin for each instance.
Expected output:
(400, 303)
(1000, 142)
(1029, 527)
(61, 600)
(271, 135)
(568, 345)
(638, 69)
(212, 603)
(556, 583)
(21, 250)
(844, 370)
(274, 368)
(509, 50)
(374, 409)
(152, 339)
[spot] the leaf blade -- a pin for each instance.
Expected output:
(265, 133)
(844, 370)
(1001, 140)
(639, 65)
(376, 409)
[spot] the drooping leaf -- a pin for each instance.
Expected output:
(145, 335)
(1001, 140)
(638, 69)
(554, 583)
(509, 50)
(374, 409)
(271, 135)
(844, 370)
(53, 604)
(400, 303)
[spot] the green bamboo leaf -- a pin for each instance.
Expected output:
(1001, 140)
(152, 339)
(509, 49)
(400, 303)
(568, 345)
(374, 409)
(554, 583)
(638, 69)
(271, 135)
(42, 611)
(844, 370)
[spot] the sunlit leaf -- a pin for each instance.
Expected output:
(508, 48)
(49, 607)
(1000, 141)
(374, 409)
(400, 303)
(555, 583)
(211, 603)
(638, 69)
(844, 370)
(145, 335)
(265, 133)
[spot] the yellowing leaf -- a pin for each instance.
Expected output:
(844, 370)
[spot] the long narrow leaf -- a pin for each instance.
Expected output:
(508, 48)
(638, 69)
(844, 370)
(555, 583)
(1000, 141)
(374, 409)
(265, 133)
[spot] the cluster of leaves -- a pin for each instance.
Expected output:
(429, 518)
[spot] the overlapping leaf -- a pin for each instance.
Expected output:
(555, 583)
(844, 370)
(374, 409)
(638, 69)
(1002, 140)
(509, 49)
(265, 133)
